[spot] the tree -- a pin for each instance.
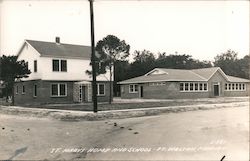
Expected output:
(144, 61)
(12, 69)
(121, 73)
(245, 67)
(111, 49)
(229, 63)
(177, 61)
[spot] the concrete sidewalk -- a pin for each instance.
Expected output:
(68, 115)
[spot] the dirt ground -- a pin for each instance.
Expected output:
(193, 135)
(120, 104)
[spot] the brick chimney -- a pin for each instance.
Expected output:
(58, 40)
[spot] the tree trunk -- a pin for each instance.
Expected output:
(110, 84)
(13, 93)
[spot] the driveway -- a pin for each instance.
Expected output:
(193, 135)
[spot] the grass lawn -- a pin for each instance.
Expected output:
(131, 104)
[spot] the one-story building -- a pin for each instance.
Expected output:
(58, 74)
(163, 83)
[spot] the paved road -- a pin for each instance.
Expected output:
(194, 135)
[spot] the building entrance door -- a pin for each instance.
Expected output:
(216, 90)
(141, 91)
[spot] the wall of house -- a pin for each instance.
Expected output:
(238, 93)
(218, 78)
(29, 54)
(172, 90)
(105, 98)
(43, 93)
(125, 92)
(76, 68)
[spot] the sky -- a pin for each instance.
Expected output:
(201, 29)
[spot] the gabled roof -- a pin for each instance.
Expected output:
(237, 79)
(52, 49)
(206, 72)
(198, 75)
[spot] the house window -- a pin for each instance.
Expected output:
(196, 86)
(23, 90)
(59, 90)
(235, 86)
(17, 89)
(201, 86)
(133, 88)
(35, 65)
(54, 89)
(59, 65)
(186, 86)
(243, 87)
(190, 87)
(35, 91)
(205, 86)
(55, 65)
(63, 65)
(181, 87)
(100, 89)
(62, 89)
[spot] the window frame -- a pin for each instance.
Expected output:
(193, 87)
(60, 67)
(35, 90)
(35, 66)
(240, 87)
(181, 86)
(133, 88)
(98, 89)
(23, 89)
(58, 90)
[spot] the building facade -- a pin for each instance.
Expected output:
(175, 83)
(58, 74)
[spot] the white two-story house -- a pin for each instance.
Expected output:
(58, 74)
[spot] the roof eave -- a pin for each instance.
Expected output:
(68, 57)
(133, 82)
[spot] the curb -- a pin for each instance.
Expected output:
(67, 115)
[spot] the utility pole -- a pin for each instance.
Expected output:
(93, 58)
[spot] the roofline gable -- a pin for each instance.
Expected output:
(22, 47)
(155, 70)
(222, 73)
